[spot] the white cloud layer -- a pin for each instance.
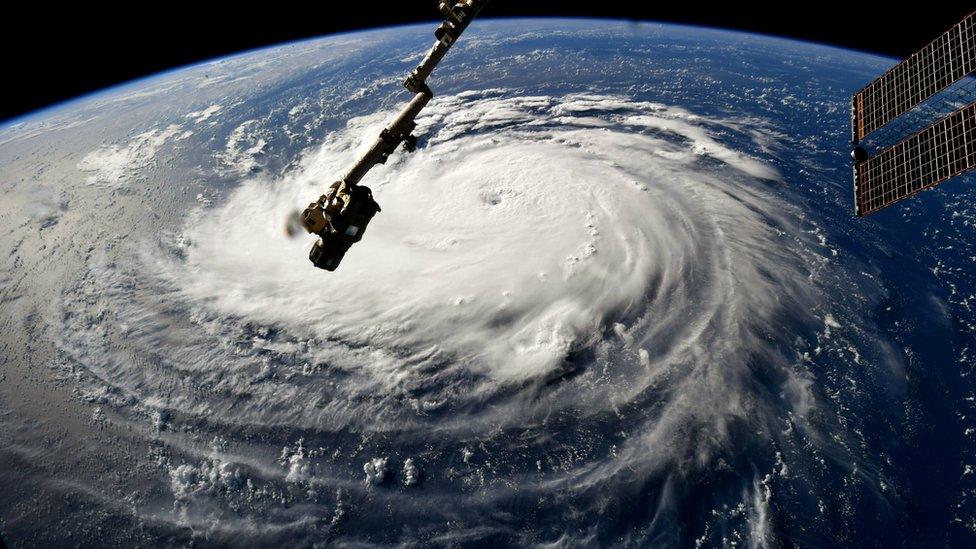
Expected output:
(118, 165)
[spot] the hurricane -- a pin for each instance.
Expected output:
(564, 298)
(615, 297)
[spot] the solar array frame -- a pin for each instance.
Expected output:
(943, 150)
(936, 66)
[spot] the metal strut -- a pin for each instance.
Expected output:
(458, 15)
(324, 217)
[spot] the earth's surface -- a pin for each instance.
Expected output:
(617, 296)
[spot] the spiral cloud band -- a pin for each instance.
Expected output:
(589, 278)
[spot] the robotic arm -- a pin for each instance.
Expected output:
(340, 216)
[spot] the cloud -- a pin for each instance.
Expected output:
(205, 114)
(611, 264)
(118, 165)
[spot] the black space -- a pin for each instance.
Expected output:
(55, 52)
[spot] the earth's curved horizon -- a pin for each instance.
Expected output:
(616, 297)
(121, 87)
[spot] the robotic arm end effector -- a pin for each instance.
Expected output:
(339, 219)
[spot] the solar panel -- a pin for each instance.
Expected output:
(935, 79)
(941, 151)
(945, 60)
